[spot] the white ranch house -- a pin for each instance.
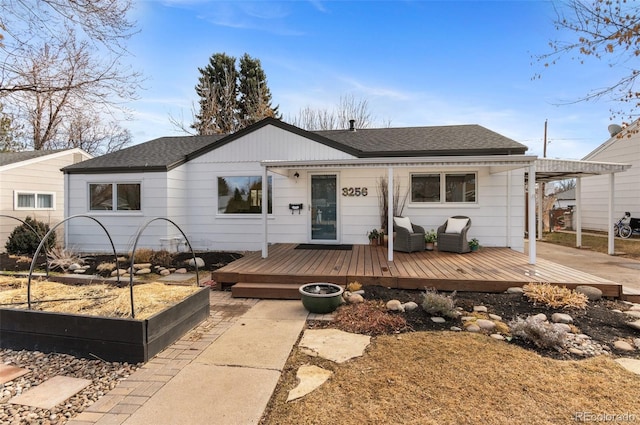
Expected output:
(32, 185)
(323, 187)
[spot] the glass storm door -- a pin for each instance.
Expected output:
(324, 208)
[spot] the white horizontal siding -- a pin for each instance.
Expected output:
(39, 175)
(595, 190)
(188, 196)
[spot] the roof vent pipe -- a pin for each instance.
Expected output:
(352, 125)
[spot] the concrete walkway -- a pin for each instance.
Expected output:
(223, 371)
(621, 270)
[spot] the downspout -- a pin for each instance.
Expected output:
(532, 212)
(390, 214)
(265, 212)
(578, 212)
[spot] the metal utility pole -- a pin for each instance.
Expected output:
(544, 151)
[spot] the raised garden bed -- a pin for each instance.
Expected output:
(111, 339)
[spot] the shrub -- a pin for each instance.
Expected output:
(142, 255)
(162, 258)
(541, 333)
(60, 258)
(23, 240)
(554, 296)
(439, 305)
(354, 286)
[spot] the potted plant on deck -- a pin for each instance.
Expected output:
(373, 236)
(430, 239)
(474, 245)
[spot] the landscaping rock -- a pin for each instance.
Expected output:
(541, 317)
(635, 307)
(181, 271)
(354, 298)
(438, 319)
(394, 305)
(495, 317)
(455, 329)
(198, 261)
(563, 326)
(480, 309)
(635, 325)
(472, 328)
(592, 293)
(140, 266)
(561, 318)
(410, 306)
(165, 272)
(80, 271)
(632, 314)
(623, 346)
(515, 290)
(143, 271)
(485, 324)
(632, 365)
(497, 336)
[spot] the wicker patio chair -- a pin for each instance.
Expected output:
(457, 241)
(407, 241)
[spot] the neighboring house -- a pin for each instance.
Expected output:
(31, 184)
(323, 187)
(565, 199)
(623, 146)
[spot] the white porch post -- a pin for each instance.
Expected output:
(578, 212)
(508, 244)
(265, 212)
(540, 211)
(390, 214)
(612, 181)
(532, 212)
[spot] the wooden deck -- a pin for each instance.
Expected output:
(488, 270)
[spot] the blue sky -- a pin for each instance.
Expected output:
(417, 63)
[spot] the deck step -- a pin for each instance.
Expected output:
(267, 290)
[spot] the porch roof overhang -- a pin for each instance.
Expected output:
(496, 163)
(548, 169)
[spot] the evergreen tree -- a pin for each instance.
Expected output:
(231, 99)
(255, 96)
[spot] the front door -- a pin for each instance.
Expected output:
(324, 208)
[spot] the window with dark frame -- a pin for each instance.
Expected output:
(444, 188)
(125, 197)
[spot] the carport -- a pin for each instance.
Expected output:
(546, 170)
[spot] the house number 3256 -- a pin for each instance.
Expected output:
(355, 191)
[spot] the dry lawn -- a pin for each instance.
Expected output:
(92, 299)
(455, 378)
(599, 243)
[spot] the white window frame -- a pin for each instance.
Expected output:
(35, 194)
(114, 197)
(443, 188)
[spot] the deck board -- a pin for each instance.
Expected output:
(490, 269)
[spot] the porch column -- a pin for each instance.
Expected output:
(532, 212)
(508, 244)
(612, 181)
(390, 214)
(578, 212)
(540, 193)
(265, 212)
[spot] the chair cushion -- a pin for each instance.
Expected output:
(455, 225)
(403, 222)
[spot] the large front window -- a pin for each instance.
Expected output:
(124, 196)
(242, 195)
(443, 188)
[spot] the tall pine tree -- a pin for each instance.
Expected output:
(231, 99)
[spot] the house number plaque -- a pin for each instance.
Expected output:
(355, 191)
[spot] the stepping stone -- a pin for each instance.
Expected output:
(51, 392)
(310, 377)
(333, 344)
(9, 372)
(632, 365)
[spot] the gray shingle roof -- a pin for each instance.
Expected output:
(7, 158)
(156, 155)
(426, 141)
(168, 152)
